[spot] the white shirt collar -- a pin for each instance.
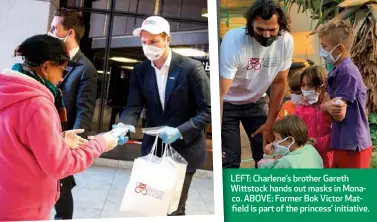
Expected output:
(167, 62)
(73, 52)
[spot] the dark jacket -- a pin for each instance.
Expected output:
(79, 89)
(187, 105)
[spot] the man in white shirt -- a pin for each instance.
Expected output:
(79, 88)
(252, 59)
(175, 92)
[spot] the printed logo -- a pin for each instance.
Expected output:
(254, 63)
(141, 188)
(149, 22)
(146, 190)
(268, 62)
(206, 66)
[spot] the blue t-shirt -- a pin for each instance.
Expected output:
(352, 133)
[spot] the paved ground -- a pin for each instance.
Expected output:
(100, 190)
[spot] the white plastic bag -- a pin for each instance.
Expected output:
(151, 186)
(152, 131)
(174, 158)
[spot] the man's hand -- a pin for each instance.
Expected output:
(170, 135)
(129, 128)
(266, 131)
(268, 149)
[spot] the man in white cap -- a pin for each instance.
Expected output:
(175, 91)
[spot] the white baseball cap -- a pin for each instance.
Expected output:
(154, 25)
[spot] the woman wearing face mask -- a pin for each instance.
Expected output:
(33, 153)
(291, 148)
(313, 87)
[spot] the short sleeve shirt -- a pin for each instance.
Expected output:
(352, 133)
(251, 66)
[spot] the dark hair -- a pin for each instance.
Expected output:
(72, 20)
(292, 126)
(316, 74)
(294, 82)
(41, 48)
(265, 9)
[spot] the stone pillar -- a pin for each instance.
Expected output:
(20, 19)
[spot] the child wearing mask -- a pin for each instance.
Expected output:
(313, 87)
(350, 136)
(290, 149)
(295, 90)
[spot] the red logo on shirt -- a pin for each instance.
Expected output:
(254, 63)
(141, 188)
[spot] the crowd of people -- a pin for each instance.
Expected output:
(47, 105)
(324, 125)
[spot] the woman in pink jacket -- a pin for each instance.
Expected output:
(33, 153)
(313, 85)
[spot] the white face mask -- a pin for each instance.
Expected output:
(310, 95)
(328, 55)
(295, 98)
(282, 150)
(62, 39)
(152, 52)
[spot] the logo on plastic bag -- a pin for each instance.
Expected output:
(146, 190)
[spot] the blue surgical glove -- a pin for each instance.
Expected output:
(122, 140)
(128, 128)
(169, 135)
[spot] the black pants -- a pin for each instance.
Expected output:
(181, 211)
(64, 205)
(251, 116)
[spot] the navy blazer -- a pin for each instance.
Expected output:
(187, 106)
(79, 89)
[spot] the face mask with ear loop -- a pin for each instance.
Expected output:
(62, 39)
(154, 53)
(328, 55)
(282, 150)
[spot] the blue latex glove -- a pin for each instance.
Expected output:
(128, 127)
(170, 135)
(122, 140)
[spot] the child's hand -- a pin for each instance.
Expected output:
(268, 149)
(338, 109)
(338, 106)
(278, 157)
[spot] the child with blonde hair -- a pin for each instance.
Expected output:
(350, 136)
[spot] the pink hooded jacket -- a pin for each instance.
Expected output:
(319, 127)
(33, 154)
